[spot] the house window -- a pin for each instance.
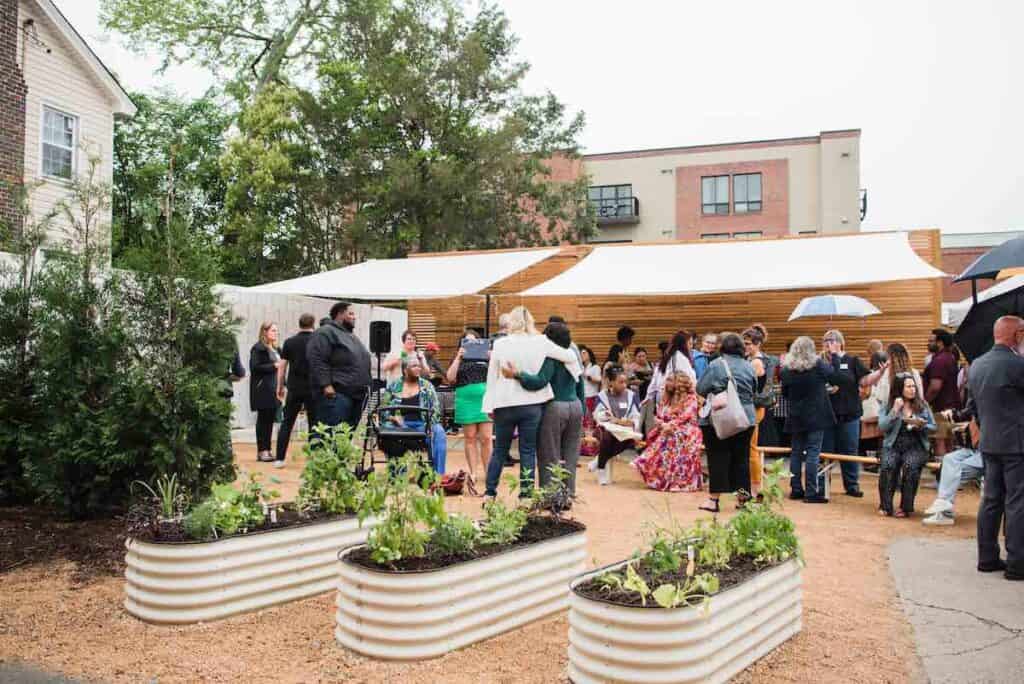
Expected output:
(746, 192)
(748, 235)
(612, 201)
(60, 136)
(714, 194)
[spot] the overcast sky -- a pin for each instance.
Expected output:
(934, 86)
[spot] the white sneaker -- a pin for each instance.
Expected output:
(939, 506)
(602, 477)
(943, 519)
(279, 464)
(592, 466)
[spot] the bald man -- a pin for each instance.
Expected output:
(996, 382)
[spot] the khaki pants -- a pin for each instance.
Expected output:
(755, 455)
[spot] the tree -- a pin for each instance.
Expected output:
(193, 131)
(258, 42)
(415, 137)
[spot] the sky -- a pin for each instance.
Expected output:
(934, 87)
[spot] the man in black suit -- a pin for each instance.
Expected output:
(996, 382)
(300, 394)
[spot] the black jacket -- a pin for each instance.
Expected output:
(809, 406)
(294, 352)
(846, 403)
(263, 379)
(337, 357)
(996, 382)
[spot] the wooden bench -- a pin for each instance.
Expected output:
(825, 469)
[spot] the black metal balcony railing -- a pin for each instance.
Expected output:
(616, 210)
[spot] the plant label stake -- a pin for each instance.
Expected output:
(689, 560)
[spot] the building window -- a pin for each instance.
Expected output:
(714, 236)
(60, 136)
(612, 201)
(714, 194)
(746, 192)
(748, 235)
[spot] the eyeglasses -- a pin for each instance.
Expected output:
(830, 340)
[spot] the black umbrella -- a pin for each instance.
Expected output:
(974, 336)
(999, 262)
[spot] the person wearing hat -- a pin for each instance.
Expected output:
(435, 373)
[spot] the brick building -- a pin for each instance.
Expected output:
(57, 108)
(959, 250)
(807, 185)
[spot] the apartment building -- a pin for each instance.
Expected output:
(808, 185)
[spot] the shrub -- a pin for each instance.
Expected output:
(329, 481)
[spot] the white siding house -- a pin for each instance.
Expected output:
(70, 107)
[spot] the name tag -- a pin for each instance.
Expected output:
(623, 405)
(844, 366)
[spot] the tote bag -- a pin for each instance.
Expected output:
(727, 414)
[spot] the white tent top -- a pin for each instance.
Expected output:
(954, 313)
(740, 266)
(424, 277)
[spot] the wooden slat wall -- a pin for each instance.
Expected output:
(910, 309)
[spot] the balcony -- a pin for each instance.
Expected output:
(616, 211)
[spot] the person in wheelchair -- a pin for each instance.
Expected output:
(412, 390)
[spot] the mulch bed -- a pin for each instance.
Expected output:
(34, 536)
(741, 568)
(537, 529)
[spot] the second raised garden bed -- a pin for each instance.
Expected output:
(416, 614)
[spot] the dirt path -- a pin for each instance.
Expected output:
(853, 627)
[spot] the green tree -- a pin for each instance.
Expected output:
(165, 128)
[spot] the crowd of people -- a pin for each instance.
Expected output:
(717, 394)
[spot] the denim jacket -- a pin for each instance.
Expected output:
(890, 422)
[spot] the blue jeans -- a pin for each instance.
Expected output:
(506, 420)
(438, 444)
(341, 408)
(958, 467)
(805, 456)
(844, 439)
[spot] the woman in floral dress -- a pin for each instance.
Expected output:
(671, 461)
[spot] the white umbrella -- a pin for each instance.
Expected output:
(834, 305)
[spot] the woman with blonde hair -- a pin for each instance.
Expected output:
(804, 378)
(514, 408)
(671, 461)
(264, 362)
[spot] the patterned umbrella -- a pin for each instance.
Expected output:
(834, 305)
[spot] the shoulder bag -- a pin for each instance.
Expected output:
(727, 414)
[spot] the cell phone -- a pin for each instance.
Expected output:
(475, 349)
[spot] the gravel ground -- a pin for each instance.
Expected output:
(59, 620)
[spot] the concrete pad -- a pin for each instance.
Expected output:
(968, 625)
(15, 673)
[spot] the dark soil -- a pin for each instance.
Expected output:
(537, 529)
(174, 532)
(35, 536)
(740, 569)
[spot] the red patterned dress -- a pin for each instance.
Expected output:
(671, 461)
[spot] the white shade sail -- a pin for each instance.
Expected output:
(417, 278)
(740, 266)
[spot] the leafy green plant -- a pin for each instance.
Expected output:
(228, 510)
(673, 595)
(411, 511)
(715, 543)
(329, 481)
(455, 536)
(634, 582)
(167, 493)
(553, 498)
(502, 524)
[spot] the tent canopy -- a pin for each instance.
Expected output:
(416, 278)
(739, 266)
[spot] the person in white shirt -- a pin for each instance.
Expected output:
(513, 407)
(676, 359)
(392, 365)
(616, 406)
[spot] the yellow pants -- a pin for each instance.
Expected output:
(755, 455)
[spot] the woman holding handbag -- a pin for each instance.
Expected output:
(728, 386)
(264, 362)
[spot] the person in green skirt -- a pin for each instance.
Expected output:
(470, 380)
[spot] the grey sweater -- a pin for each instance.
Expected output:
(716, 378)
